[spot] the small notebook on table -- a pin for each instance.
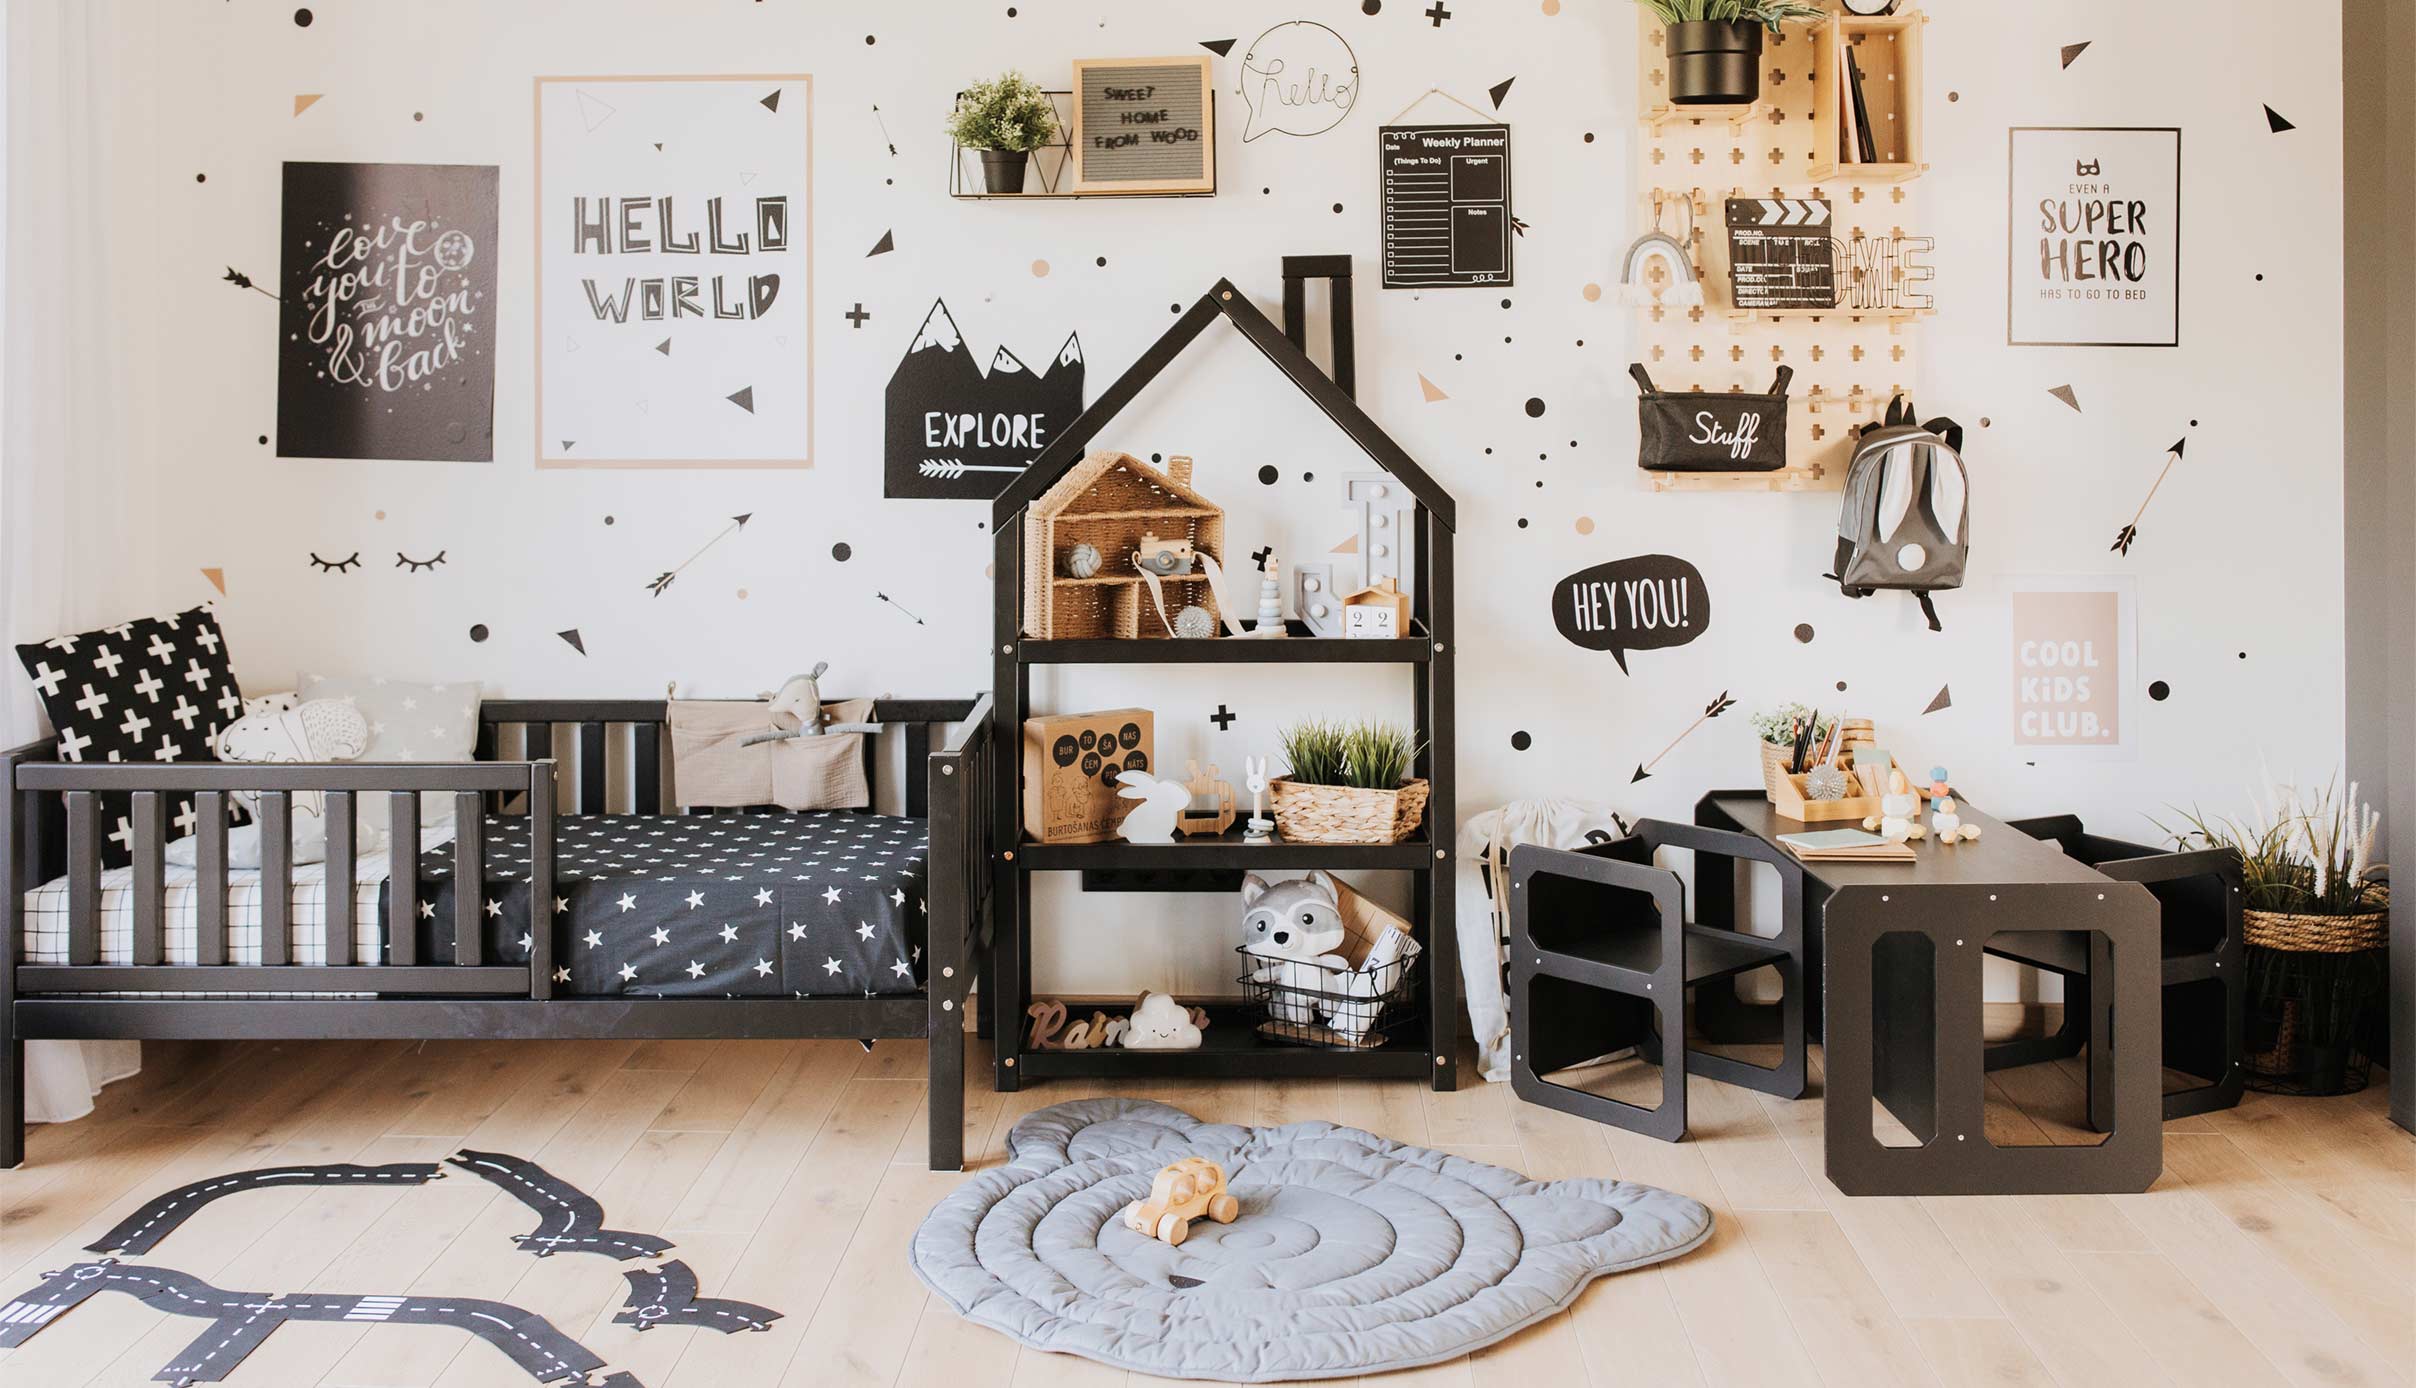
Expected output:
(1845, 846)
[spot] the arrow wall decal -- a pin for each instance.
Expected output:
(1714, 709)
(2129, 533)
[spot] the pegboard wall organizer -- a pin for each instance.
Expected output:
(1052, 170)
(1848, 361)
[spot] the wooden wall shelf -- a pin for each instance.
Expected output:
(1887, 49)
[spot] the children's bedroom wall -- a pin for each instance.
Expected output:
(535, 575)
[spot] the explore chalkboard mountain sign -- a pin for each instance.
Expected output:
(957, 431)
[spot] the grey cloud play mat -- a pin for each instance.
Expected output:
(1352, 1253)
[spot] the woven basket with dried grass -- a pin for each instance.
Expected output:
(1347, 814)
(1348, 784)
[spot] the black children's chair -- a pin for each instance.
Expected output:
(2205, 989)
(1603, 959)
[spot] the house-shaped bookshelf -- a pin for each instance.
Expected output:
(1234, 1045)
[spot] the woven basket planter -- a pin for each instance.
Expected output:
(2311, 978)
(1774, 767)
(2316, 934)
(1345, 814)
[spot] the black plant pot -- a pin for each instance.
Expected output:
(1002, 169)
(1715, 62)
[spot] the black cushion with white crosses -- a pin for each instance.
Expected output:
(737, 905)
(154, 690)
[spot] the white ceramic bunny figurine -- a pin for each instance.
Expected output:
(1151, 821)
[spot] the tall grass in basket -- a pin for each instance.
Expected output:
(1363, 756)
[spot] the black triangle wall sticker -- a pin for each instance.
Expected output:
(2273, 119)
(1220, 47)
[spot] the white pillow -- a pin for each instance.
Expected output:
(407, 722)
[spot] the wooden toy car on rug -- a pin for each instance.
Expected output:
(1190, 1189)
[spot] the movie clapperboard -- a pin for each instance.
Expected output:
(1779, 253)
(1446, 205)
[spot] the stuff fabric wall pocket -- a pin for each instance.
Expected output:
(1711, 431)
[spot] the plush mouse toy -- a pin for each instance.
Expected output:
(797, 711)
(1291, 930)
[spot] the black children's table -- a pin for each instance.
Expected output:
(1894, 963)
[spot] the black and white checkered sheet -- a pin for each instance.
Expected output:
(771, 905)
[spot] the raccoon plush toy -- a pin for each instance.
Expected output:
(1291, 930)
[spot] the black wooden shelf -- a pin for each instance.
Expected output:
(1423, 1045)
(1227, 850)
(1299, 649)
(1232, 1045)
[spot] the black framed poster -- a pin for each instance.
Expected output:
(388, 279)
(2094, 246)
(1446, 213)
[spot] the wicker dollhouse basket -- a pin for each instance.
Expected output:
(1346, 814)
(1109, 501)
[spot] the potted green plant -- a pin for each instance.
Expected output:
(1715, 46)
(1777, 730)
(2315, 926)
(1006, 119)
(1348, 784)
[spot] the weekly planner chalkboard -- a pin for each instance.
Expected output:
(1446, 205)
(1143, 125)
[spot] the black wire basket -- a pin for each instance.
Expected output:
(1335, 1009)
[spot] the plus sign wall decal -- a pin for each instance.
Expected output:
(1438, 14)
(1223, 718)
(1262, 554)
(857, 317)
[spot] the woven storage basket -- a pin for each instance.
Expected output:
(1110, 500)
(2316, 934)
(1346, 814)
(1774, 767)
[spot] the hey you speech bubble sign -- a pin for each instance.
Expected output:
(1299, 78)
(1647, 603)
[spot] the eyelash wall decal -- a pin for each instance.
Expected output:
(404, 561)
(352, 561)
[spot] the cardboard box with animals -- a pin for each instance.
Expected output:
(1070, 765)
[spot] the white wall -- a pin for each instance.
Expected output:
(2241, 553)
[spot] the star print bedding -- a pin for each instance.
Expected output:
(774, 905)
(644, 905)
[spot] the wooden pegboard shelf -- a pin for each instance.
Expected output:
(1847, 361)
(1668, 113)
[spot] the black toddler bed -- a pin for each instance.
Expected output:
(771, 925)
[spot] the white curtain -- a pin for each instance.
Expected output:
(73, 553)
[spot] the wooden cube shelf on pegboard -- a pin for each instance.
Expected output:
(1848, 360)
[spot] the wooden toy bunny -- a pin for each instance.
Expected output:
(1153, 820)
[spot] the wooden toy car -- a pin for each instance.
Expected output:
(1189, 1189)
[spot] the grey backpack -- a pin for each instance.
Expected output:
(1905, 521)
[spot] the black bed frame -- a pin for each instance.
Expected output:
(49, 826)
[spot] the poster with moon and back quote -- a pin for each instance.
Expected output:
(674, 272)
(386, 348)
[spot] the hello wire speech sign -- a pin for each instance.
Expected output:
(2094, 243)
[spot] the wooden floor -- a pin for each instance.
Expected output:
(2279, 1247)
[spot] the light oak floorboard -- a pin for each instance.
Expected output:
(2278, 1247)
